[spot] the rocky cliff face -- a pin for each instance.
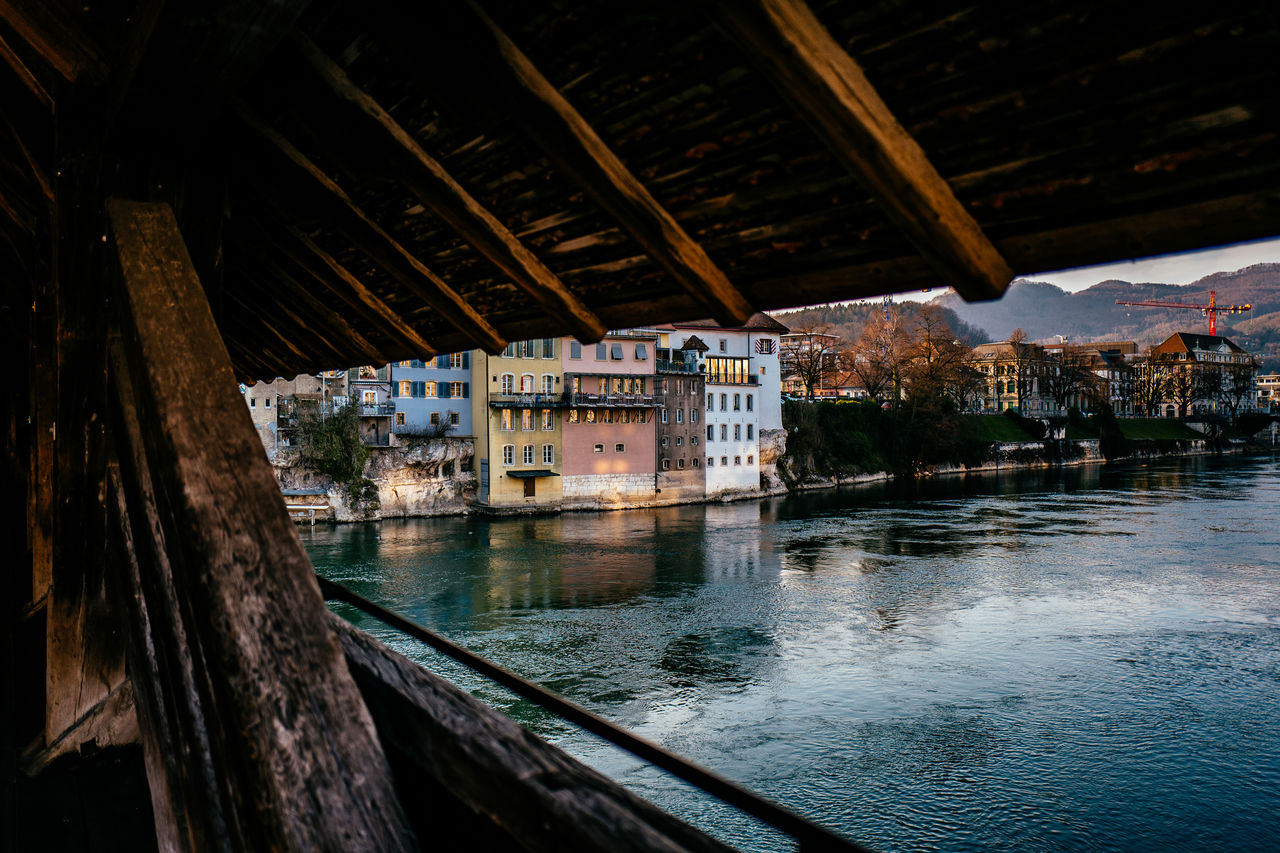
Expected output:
(773, 444)
(433, 478)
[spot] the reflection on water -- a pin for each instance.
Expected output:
(1085, 659)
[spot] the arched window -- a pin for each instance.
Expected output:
(548, 383)
(526, 383)
(508, 383)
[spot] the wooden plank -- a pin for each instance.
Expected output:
(323, 193)
(54, 39)
(480, 766)
(256, 734)
(339, 281)
(428, 180)
(490, 68)
(29, 80)
(112, 721)
(797, 54)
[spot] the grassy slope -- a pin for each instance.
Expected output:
(1156, 428)
(993, 428)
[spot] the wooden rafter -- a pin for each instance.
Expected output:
(372, 239)
(57, 43)
(792, 48)
(24, 74)
(498, 73)
(428, 180)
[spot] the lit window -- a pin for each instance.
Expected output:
(591, 416)
(455, 361)
(624, 416)
(506, 419)
(455, 389)
(429, 389)
(528, 454)
(548, 454)
(548, 420)
(548, 383)
(526, 419)
(508, 454)
(508, 383)
(619, 448)
(599, 448)
(574, 414)
(406, 388)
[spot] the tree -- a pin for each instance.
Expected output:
(1231, 383)
(1027, 364)
(331, 445)
(935, 363)
(1149, 383)
(812, 354)
(1067, 377)
(873, 358)
(1187, 384)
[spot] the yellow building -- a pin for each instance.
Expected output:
(516, 411)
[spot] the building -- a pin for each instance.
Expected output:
(1204, 374)
(517, 423)
(1013, 375)
(277, 406)
(743, 395)
(609, 422)
(679, 430)
(369, 388)
(1269, 392)
(432, 397)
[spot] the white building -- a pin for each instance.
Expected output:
(743, 395)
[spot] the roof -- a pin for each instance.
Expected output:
(696, 343)
(759, 321)
(363, 184)
(1190, 342)
(529, 474)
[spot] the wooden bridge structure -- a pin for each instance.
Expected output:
(195, 194)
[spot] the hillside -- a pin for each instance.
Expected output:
(1044, 310)
(847, 320)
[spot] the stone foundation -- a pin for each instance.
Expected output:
(606, 491)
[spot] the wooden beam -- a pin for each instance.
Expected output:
(486, 63)
(24, 74)
(797, 54)
(428, 180)
(322, 192)
(338, 280)
(54, 40)
(255, 734)
(472, 773)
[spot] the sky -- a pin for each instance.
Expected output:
(1181, 268)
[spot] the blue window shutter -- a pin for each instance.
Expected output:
(444, 389)
(420, 389)
(466, 362)
(466, 389)
(394, 385)
(442, 361)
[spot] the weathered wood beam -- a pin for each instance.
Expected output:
(28, 78)
(797, 54)
(428, 180)
(486, 63)
(255, 734)
(338, 280)
(480, 774)
(356, 225)
(54, 39)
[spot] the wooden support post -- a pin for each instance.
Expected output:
(792, 48)
(427, 179)
(487, 67)
(254, 733)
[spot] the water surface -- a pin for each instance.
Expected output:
(1079, 660)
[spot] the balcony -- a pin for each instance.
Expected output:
(730, 379)
(526, 401)
(377, 410)
(666, 366)
(632, 401)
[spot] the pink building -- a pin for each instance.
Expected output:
(608, 430)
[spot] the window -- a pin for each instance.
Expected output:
(724, 402)
(508, 454)
(399, 418)
(253, 403)
(696, 462)
(606, 417)
(548, 383)
(548, 420)
(615, 352)
(750, 402)
(599, 448)
(679, 416)
(456, 390)
(724, 432)
(723, 345)
(664, 441)
(640, 385)
(574, 414)
(526, 383)
(619, 448)
(435, 419)
(737, 402)
(642, 352)
(679, 441)
(604, 385)
(528, 454)
(711, 432)
(737, 460)
(711, 402)
(455, 361)
(602, 352)
(406, 388)
(428, 390)
(693, 439)
(666, 464)
(548, 347)
(575, 350)
(711, 462)
(751, 460)
(548, 454)
(680, 463)
(454, 418)
(617, 385)
(751, 429)
(402, 363)
(591, 416)
(693, 416)
(526, 419)
(628, 386)
(506, 419)
(508, 383)
(266, 403)
(510, 351)
(664, 415)
(737, 432)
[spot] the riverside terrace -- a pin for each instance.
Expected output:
(192, 195)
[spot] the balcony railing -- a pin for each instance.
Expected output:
(526, 401)
(620, 400)
(377, 410)
(665, 366)
(726, 379)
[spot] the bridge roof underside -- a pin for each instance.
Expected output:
(363, 181)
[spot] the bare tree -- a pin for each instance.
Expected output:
(1068, 376)
(1231, 383)
(812, 354)
(1027, 365)
(1187, 385)
(873, 359)
(1149, 385)
(934, 357)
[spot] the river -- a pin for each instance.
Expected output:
(1086, 659)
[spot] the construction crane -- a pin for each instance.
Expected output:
(1211, 310)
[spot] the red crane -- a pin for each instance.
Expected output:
(1210, 310)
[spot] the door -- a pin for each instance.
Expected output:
(530, 487)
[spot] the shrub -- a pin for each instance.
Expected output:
(331, 445)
